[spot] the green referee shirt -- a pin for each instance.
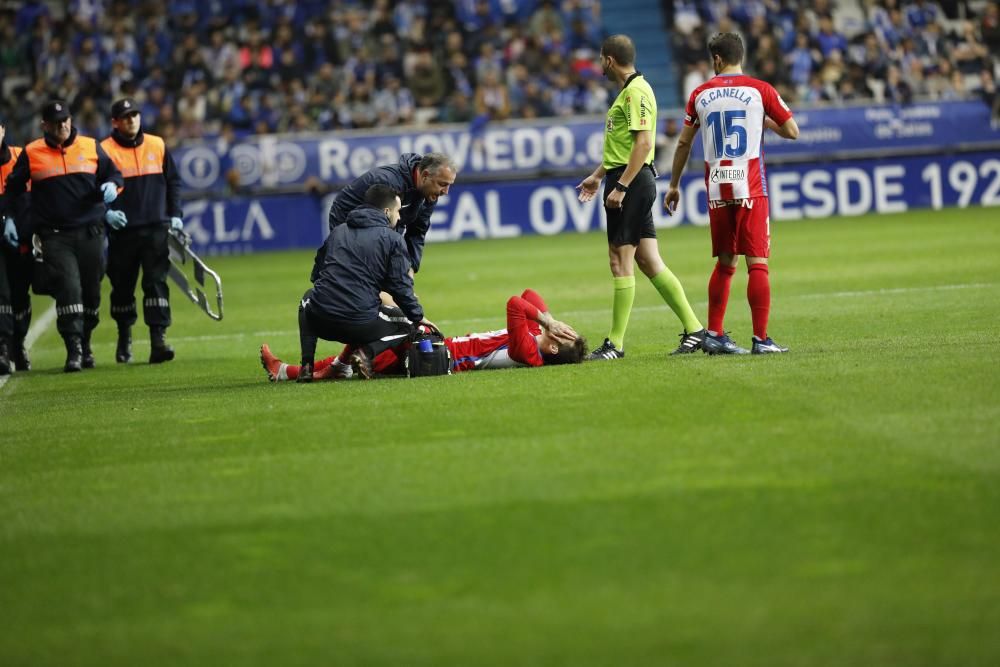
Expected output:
(633, 110)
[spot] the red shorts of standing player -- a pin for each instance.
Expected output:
(741, 227)
(532, 338)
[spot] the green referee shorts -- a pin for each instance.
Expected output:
(634, 220)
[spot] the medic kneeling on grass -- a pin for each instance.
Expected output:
(532, 338)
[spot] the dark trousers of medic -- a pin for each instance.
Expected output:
(375, 336)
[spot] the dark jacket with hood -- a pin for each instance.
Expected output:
(415, 215)
(363, 257)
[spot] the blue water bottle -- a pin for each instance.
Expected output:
(426, 345)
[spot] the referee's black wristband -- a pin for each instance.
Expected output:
(621, 187)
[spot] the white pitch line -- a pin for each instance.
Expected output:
(895, 290)
(42, 323)
(35, 331)
(260, 335)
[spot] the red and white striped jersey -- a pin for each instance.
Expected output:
(730, 109)
(516, 345)
(479, 351)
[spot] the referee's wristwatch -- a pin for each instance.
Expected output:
(621, 187)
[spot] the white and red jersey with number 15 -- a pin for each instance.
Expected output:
(730, 108)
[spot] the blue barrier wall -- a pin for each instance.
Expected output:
(524, 150)
(501, 210)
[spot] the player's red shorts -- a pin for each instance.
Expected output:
(740, 227)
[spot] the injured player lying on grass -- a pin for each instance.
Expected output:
(532, 338)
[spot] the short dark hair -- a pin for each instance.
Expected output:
(568, 353)
(728, 46)
(619, 47)
(434, 162)
(380, 195)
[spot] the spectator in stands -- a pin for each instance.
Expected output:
(393, 103)
(696, 76)
(534, 103)
(257, 58)
(426, 81)
(801, 61)
(969, 53)
(897, 90)
(491, 97)
(956, 89)
(874, 59)
(987, 91)
(989, 27)
(31, 13)
(666, 143)
(596, 97)
(458, 109)
(546, 21)
(915, 79)
(828, 39)
(55, 62)
(931, 43)
(563, 95)
(221, 54)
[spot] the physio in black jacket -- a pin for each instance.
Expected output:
(364, 257)
(418, 179)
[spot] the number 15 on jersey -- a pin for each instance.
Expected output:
(728, 128)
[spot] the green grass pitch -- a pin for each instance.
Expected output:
(839, 505)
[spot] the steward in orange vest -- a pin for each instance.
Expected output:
(15, 271)
(72, 182)
(151, 205)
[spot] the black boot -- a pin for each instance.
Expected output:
(5, 366)
(123, 352)
(74, 354)
(19, 356)
(305, 373)
(159, 351)
(88, 354)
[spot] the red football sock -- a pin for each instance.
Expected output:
(718, 295)
(293, 371)
(759, 296)
(323, 363)
(345, 354)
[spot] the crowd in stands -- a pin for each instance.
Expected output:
(235, 67)
(851, 51)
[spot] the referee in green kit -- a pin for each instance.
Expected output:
(629, 195)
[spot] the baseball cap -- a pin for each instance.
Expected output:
(124, 107)
(55, 111)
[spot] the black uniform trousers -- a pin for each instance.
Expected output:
(130, 249)
(15, 298)
(73, 268)
(388, 329)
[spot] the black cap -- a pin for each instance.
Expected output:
(55, 111)
(124, 107)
